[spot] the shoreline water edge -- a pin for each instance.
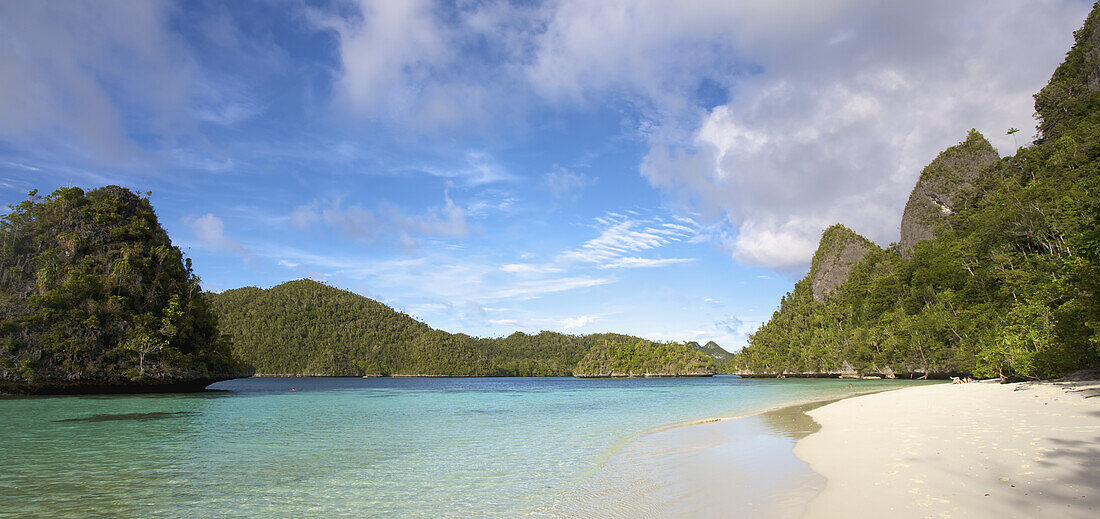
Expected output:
(937, 450)
(712, 467)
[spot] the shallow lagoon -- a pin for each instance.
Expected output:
(456, 447)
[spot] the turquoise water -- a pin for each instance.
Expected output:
(378, 447)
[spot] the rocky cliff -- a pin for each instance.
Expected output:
(840, 248)
(940, 187)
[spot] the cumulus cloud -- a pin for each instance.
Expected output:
(577, 322)
(847, 108)
(210, 231)
(427, 66)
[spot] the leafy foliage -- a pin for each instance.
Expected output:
(1008, 285)
(93, 292)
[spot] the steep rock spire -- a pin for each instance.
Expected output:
(838, 251)
(941, 183)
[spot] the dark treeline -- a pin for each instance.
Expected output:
(1007, 283)
(306, 327)
(94, 294)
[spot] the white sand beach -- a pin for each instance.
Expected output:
(969, 450)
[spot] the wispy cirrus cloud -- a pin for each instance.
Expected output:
(535, 288)
(477, 168)
(624, 238)
(529, 268)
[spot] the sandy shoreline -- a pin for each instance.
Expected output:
(971, 450)
(728, 466)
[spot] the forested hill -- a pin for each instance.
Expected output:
(998, 267)
(308, 328)
(712, 350)
(94, 297)
(644, 359)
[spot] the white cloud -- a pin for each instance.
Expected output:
(386, 49)
(491, 201)
(782, 245)
(631, 262)
(578, 322)
(624, 238)
(210, 231)
(528, 268)
(652, 49)
(478, 168)
(536, 288)
(847, 107)
(423, 67)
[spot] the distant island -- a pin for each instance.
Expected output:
(305, 327)
(996, 273)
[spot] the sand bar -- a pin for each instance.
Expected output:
(969, 450)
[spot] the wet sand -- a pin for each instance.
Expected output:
(740, 467)
(970, 450)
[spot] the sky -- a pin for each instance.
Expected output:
(661, 169)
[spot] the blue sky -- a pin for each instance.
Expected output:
(661, 169)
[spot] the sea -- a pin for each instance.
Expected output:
(412, 447)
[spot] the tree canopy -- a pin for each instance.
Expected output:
(94, 294)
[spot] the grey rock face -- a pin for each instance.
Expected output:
(840, 249)
(940, 187)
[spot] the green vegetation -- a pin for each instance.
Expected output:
(643, 358)
(94, 295)
(308, 328)
(1007, 284)
(712, 350)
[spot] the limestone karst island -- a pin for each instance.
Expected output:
(553, 259)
